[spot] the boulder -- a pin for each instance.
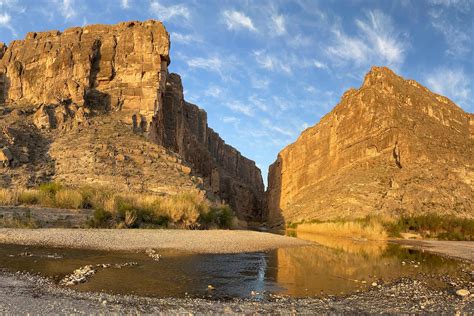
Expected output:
(6, 157)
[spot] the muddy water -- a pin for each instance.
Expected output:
(333, 266)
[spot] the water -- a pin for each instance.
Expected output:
(332, 267)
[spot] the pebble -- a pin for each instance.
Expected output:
(374, 284)
(462, 292)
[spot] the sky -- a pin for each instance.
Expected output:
(265, 70)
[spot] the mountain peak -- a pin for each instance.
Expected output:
(379, 74)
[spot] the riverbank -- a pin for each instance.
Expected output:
(455, 249)
(402, 296)
(205, 241)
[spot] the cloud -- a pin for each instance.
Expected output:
(459, 42)
(5, 21)
(124, 4)
(239, 107)
(278, 26)
(213, 91)
(279, 129)
(259, 82)
(453, 83)
(214, 64)
(231, 120)
(236, 20)
(258, 103)
(320, 65)
(376, 42)
(166, 13)
(461, 5)
(271, 62)
(184, 38)
(67, 8)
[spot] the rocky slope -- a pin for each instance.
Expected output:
(391, 147)
(97, 105)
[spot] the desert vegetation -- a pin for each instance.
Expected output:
(380, 228)
(126, 210)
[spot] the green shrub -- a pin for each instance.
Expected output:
(100, 219)
(220, 216)
(50, 188)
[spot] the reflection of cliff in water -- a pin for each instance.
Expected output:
(344, 266)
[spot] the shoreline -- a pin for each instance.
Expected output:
(401, 296)
(463, 250)
(198, 241)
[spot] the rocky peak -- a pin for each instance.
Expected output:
(390, 147)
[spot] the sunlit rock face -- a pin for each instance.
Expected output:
(114, 79)
(391, 147)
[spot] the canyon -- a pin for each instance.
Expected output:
(390, 148)
(97, 106)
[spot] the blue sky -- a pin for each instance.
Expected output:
(266, 70)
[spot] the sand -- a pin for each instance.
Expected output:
(206, 241)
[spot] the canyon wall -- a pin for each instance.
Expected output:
(391, 147)
(121, 71)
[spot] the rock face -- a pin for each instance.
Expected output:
(62, 88)
(183, 128)
(120, 67)
(391, 147)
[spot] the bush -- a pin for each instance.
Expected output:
(100, 219)
(68, 199)
(50, 188)
(220, 216)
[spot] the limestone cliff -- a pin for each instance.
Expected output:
(100, 99)
(391, 147)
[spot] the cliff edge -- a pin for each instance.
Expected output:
(392, 147)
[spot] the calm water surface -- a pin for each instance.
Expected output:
(333, 266)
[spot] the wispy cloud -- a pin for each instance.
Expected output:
(277, 128)
(166, 13)
(271, 62)
(5, 21)
(67, 8)
(459, 42)
(278, 24)
(184, 38)
(258, 103)
(320, 65)
(211, 64)
(213, 91)
(453, 83)
(239, 107)
(456, 4)
(231, 120)
(259, 82)
(376, 42)
(125, 4)
(236, 20)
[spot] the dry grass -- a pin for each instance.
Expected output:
(68, 199)
(121, 210)
(8, 197)
(371, 230)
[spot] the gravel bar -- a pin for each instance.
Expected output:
(199, 241)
